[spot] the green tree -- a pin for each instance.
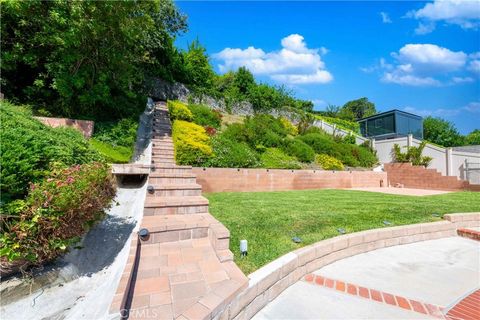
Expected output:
(441, 132)
(244, 80)
(473, 138)
(84, 58)
(357, 109)
(199, 72)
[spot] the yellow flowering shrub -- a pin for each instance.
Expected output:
(191, 143)
(328, 162)
(291, 129)
(179, 111)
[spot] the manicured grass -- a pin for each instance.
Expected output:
(118, 154)
(269, 220)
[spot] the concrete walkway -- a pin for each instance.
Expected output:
(403, 191)
(424, 275)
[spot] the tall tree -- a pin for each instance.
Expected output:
(357, 109)
(84, 58)
(199, 72)
(442, 132)
(244, 80)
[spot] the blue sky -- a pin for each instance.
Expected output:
(422, 57)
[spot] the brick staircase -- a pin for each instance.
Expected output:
(419, 177)
(184, 270)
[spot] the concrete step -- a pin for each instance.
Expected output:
(176, 190)
(159, 178)
(175, 205)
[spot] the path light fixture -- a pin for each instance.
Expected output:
(386, 222)
(341, 231)
(244, 248)
(152, 167)
(150, 189)
(143, 234)
(297, 239)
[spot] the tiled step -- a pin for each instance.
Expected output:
(171, 169)
(160, 178)
(175, 205)
(163, 153)
(176, 190)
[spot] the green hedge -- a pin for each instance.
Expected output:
(299, 149)
(29, 148)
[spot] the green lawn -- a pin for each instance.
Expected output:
(268, 220)
(118, 154)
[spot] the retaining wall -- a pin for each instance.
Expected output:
(244, 180)
(84, 126)
(268, 282)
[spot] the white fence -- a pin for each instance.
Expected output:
(333, 129)
(445, 160)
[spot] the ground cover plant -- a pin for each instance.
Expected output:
(269, 220)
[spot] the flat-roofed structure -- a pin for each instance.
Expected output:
(392, 124)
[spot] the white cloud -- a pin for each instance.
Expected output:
(474, 66)
(464, 13)
(319, 103)
(408, 79)
(385, 17)
(431, 58)
(462, 79)
(425, 28)
(295, 63)
(426, 65)
(472, 107)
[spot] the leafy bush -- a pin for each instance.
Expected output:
(204, 116)
(179, 111)
(365, 157)
(112, 154)
(328, 162)
(191, 142)
(413, 155)
(349, 138)
(350, 154)
(299, 149)
(231, 154)
(29, 148)
(56, 212)
(265, 130)
(275, 158)
(291, 129)
(119, 133)
(236, 132)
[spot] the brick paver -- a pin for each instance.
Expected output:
(381, 297)
(184, 269)
(466, 309)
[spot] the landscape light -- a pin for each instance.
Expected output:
(244, 248)
(387, 223)
(150, 189)
(436, 215)
(296, 239)
(143, 234)
(341, 230)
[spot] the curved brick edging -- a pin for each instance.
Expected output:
(269, 281)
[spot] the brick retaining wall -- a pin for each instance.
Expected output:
(419, 177)
(84, 126)
(241, 180)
